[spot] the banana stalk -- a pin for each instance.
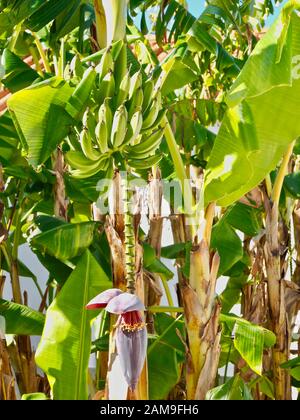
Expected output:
(101, 27)
(116, 15)
(276, 286)
(198, 292)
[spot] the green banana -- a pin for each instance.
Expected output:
(101, 165)
(103, 128)
(85, 167)
(146, 163)
(121, 64)
(119, 127)
(160, 117)
(152, 113)
(135, 83)
(105, 113)
(89, 121)
(106, 64)
(136, 123)
(107, 87)
(147, 147)
(102, 136)
(87, 146)
(148, 92)
(123, 90)
(136, 102)
(77, 160)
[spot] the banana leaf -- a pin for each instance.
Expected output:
(40, 118)
(20, 319)
(64, 349)
(165, 353)
(65, 241)
(234, 389)
(250, 340)
(262, 117)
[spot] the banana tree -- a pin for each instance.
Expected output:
(100, 106)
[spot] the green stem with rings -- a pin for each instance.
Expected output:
(129, 240)
(187, 193)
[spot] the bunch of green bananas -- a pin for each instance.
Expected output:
(128, 124)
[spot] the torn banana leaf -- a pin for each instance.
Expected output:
(263, 114)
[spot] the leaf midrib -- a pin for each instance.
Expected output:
(82, 334)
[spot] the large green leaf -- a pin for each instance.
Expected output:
(49, 11)
(21, 320)
(263, 114)
(250, 340)
(245, 218)
(65, 241)
(232, 292)
(64, 350)
(9, 141)
(165, 353)
(234, 389)
(178, 72)
(292, 184)
(228, 244)
(16, 12)
(40, 118)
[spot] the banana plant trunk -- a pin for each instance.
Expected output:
(296, 219)
(277, 306)
(202, 312)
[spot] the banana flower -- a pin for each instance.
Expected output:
(131, 332)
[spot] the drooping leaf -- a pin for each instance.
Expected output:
(266, 387)
(173, 251)
(250, 340)
(165, 353)
(64, 350)
(245, 218)
(40, 118)
(20, 319)
(66, 241)
(154, 264)
(82, 190)
(177, 73)
(234, 389)
(257, 129)
(157, 266)
(16, 12)
(232, 292)
(57, 269)
(44, 222)
(228, 244)
(46, 13)
(292, 184)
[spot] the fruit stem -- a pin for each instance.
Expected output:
(129, 240)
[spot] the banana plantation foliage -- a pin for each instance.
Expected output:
(149, 200)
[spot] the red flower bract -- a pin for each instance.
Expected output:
(131, 339)
(101, 300)
(131, 332)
